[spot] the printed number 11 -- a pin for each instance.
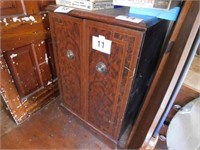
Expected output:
(100, 44)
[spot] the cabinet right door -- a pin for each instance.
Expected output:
(109, 76)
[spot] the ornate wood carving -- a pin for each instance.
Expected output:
(70, 70)
(102, 98)
(107, 92)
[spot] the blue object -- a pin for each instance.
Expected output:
(171, 14)
(117, 6)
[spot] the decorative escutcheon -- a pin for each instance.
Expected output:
(101, 67)
(70, 54)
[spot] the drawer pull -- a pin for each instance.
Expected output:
(101, 67)
(70, 54)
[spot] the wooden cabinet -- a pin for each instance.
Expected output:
(27, 63)
(98, 87)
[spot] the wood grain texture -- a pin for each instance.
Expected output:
(192, 80)
(44, 3)
(29, 67)
(164, 81)
(51, 58)
(50, 128)
(106, 100)
(104, 97)
(26, 31)
(23, 70)
(42, 60)
(11, 7)
(23, 32)
(18, 109)
(9, 92)
(108, 16)
(70, 71)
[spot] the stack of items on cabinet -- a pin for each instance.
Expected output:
(87, 4)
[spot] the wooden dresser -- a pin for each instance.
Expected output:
(105, 90)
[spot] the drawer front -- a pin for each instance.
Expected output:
(67, 41)
(109, 76)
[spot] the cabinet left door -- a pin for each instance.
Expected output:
(66, 33)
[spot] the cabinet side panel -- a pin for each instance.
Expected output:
(146, 67)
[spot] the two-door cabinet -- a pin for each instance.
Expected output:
(105, 89)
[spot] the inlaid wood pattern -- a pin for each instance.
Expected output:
(101, 99)
(70, 70)
(107, 90)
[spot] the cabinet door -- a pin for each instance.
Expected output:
(107, 92)
(67, 41)
(23, 69)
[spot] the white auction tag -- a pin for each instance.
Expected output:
(63, 9)
(130, 19)
(107, 48)
(101, 44)
(95, 43)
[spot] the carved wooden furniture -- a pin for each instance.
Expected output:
(26, 57)
(105, 91)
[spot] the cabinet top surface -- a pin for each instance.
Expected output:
(108, 16)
